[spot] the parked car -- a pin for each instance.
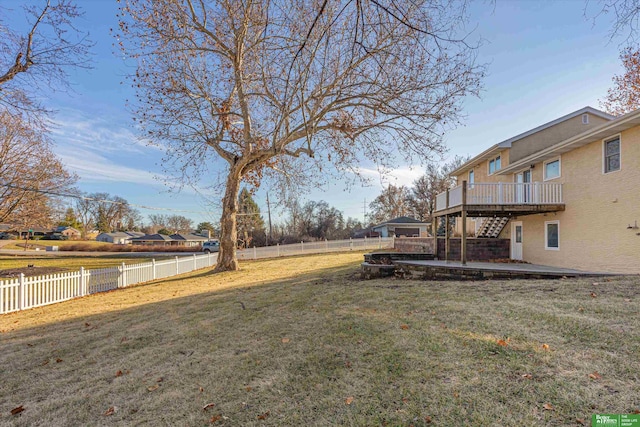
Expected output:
(211, 246)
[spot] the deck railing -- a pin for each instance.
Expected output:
(502, 193)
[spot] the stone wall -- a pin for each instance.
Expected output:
(415, 244)
(477, 249)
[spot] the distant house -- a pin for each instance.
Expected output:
(188, 239)
(70, 232)
(119, 237)
(402, 227)
(154, 240)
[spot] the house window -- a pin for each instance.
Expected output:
(552, 169)
(471, 178)
(552, 235)
(494, 165)
(612, 155)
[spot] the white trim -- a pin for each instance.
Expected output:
(617, 136)
(544, 168)
(585, 119)
(508, 142)
(546, 236)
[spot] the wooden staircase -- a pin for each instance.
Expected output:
(491, 227)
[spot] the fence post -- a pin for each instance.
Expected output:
(278, 249)
(21, 292)
(153, 263)
(124, 275)
(81, 291)
(379, 242)
(255, 253)
(177, 267)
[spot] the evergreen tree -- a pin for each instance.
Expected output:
(249, 220)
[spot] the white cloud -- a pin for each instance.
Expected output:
(404, 175)
(92, 167)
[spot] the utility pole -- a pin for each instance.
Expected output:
(269, 213)
(364, 212)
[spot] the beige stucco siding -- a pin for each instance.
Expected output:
(599, 207)
(552, 135)
(481, 170)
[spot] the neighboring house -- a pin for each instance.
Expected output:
(69, 232)
(189, 239)
(565, 193)
(119, 237)
(402, 226)
(154, 240)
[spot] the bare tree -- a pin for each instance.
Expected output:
(39, 57)
(179, 224)
(286, 88)
(393, 202)
(30, 173)
(437, 179)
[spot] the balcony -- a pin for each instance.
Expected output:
(500, 199)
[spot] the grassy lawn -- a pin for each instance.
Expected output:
(303, 341)
(68, 262)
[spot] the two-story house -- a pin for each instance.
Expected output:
(565, 193)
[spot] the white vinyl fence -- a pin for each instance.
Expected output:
(28, 292)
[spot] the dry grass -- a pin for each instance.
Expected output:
(302, 341)
(70, 263)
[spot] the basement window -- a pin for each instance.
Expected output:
(552, 235)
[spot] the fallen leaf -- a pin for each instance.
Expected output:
(264, 416)
(249, 388)
(405, 327)
(456, 394)
(58, 360)
(548, 407)
(16, 411)
(119, 374)
(215, 418)
(593, 295)
(46, 362)
(349, 400)
(527, 376)
(285, 340)
(503, 343)
(87, 324)
(159, 380)
(201, 389)
(405, 400)
(428, 419)
(580, 309)
(595, 375)
(153, 387)
(208, 405)
(545, 347)
(580, 421)
(627, 300)
(109, 411)
(595, 283)
(636, 411)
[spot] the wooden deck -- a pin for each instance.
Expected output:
(500, 210)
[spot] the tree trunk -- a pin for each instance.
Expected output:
(227, 258)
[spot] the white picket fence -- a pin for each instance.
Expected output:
(28, 292)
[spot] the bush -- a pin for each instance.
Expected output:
(110, 247)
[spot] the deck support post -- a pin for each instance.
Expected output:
(446, 238)
(463, 240)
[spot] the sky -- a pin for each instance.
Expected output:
(544, 59)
